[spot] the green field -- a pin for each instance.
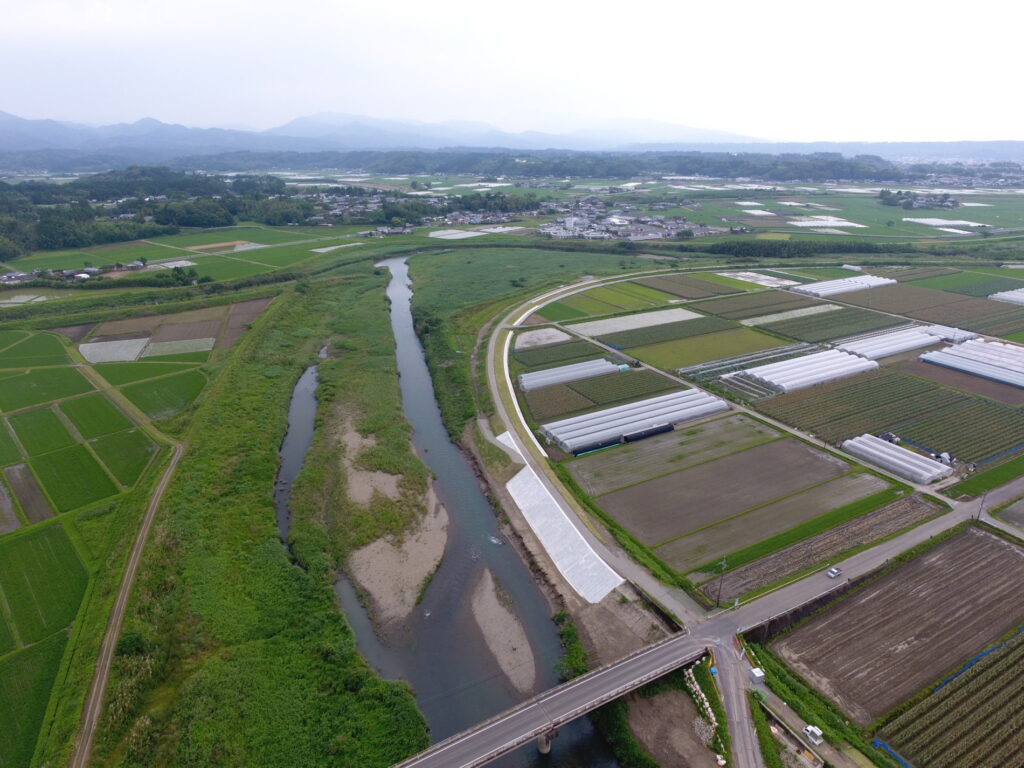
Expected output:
(655, 334)
(40, 431)
(38, 349)
(976, 431)
(94, 415)
(629, 385)
(557, 353)
(126, 373)
(681, 353)
(833, 325)
(43, 580)
(181, 357)
(26, 680)
(260, 235)
(126, 454)
(9, 452)
(7, 338)
(160, 398)
(40, 386)
(973, 284)
(72, 478)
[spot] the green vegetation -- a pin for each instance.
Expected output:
(988, 479)
(270, 632)
(43, 581)
(769, 746)
(616, 387)
(847, 321)
(9, 452)
(702, 674)
(612, 720)
(72, 478)
(975, 431)
(94, 415)
(656, 334)
(26, 680)
(563, 354)
(40, 431)
(126, 373)
(160, 398)
(680, 353)
(37, 350)
(126, 454)
(40, 386)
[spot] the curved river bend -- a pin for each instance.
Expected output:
(442, 653)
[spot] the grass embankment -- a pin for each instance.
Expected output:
(230, 654)
(457, 292)
(769, 746)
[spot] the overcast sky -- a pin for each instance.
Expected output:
(799, 70)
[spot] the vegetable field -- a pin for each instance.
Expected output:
(754, 304)
(687, 287)
(977, 431)
(562, 399)
(570, 351)
(669, 355)
(873, 402)
(972, 720)
(656, 334)
(833, 325)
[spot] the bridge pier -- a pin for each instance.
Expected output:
(544, 741)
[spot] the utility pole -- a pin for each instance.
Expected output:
(721, 576)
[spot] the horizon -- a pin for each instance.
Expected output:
(773, 77)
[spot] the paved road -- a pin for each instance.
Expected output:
(558, 706)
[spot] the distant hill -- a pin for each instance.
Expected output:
(62, 146)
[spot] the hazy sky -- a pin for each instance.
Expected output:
(798, 70)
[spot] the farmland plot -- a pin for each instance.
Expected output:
(72, 478)
(619, 387)
(669, 355)
(94, 415)
(754, 304)
(556, 353)
(908, 274)
(601, 472)
(686, 287)
(972, 720)
(160, 398)
(40, 386)
(977, 431)
(883, 643)
(667, 507)
(833, 325)
(37, 350)
(873, 402)
(126, 454)
(41, 431)
(658, 333)
(26, 680)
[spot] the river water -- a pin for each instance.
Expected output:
(442, 653)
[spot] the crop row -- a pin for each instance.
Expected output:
(556, 353)
(974, 432)
(686, 287)
(754, 304)
(655, 334)
(833, 325)
(622, 386)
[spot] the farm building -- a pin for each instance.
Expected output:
(993, 360)
(800, 372)
(885, 344)
(842, 285)
(899, 461)
(1015, 296)
(563, 374)
(631, 421)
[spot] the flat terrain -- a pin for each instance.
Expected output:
(1004, 393)
(791, 560)
(631, 463)
(882, 644)
(680, 353)
(670, 506)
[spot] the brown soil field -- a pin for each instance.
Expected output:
(901, 299)
(669, 506)
(883, 643)
(241, 317)
(198, 315)
(217, 246)
(29, 494)
(185, 331)
(663, 724)
(906, 274)
(659, 455)
(136, 325)
(74, 333)
(8, 518)
(754, 304)
(698, 548)
(686, 287)
(821, 548)
(1004, 393)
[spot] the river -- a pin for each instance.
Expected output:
(442, 653)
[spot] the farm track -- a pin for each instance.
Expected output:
(94, 700)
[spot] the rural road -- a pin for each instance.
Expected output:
(94, 700)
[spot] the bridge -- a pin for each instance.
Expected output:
(541, 716)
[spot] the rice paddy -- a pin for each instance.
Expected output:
(94, 415)
(40, 431)
(163, 397)
(40, 386)
(72, 478)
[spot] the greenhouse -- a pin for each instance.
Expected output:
(563, 374)
(993, 360)
(613, 425)
(801, 372)
(886, 344)
(1015, 296)
(842, 285)
(899, 461)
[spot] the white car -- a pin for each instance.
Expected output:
(834, 573)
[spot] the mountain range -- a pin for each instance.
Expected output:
(53, 144)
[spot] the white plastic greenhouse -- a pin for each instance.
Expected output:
(988, 359)
(563, 374)
(899, 461)
(1012, 297)
(842, 285)
(956, 335)
(801, 372)
(614, 425)
(885, 344)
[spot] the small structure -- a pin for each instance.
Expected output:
(757, 675)
(899, 461)
(843, 285)
(564, 374)
(813, 734)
